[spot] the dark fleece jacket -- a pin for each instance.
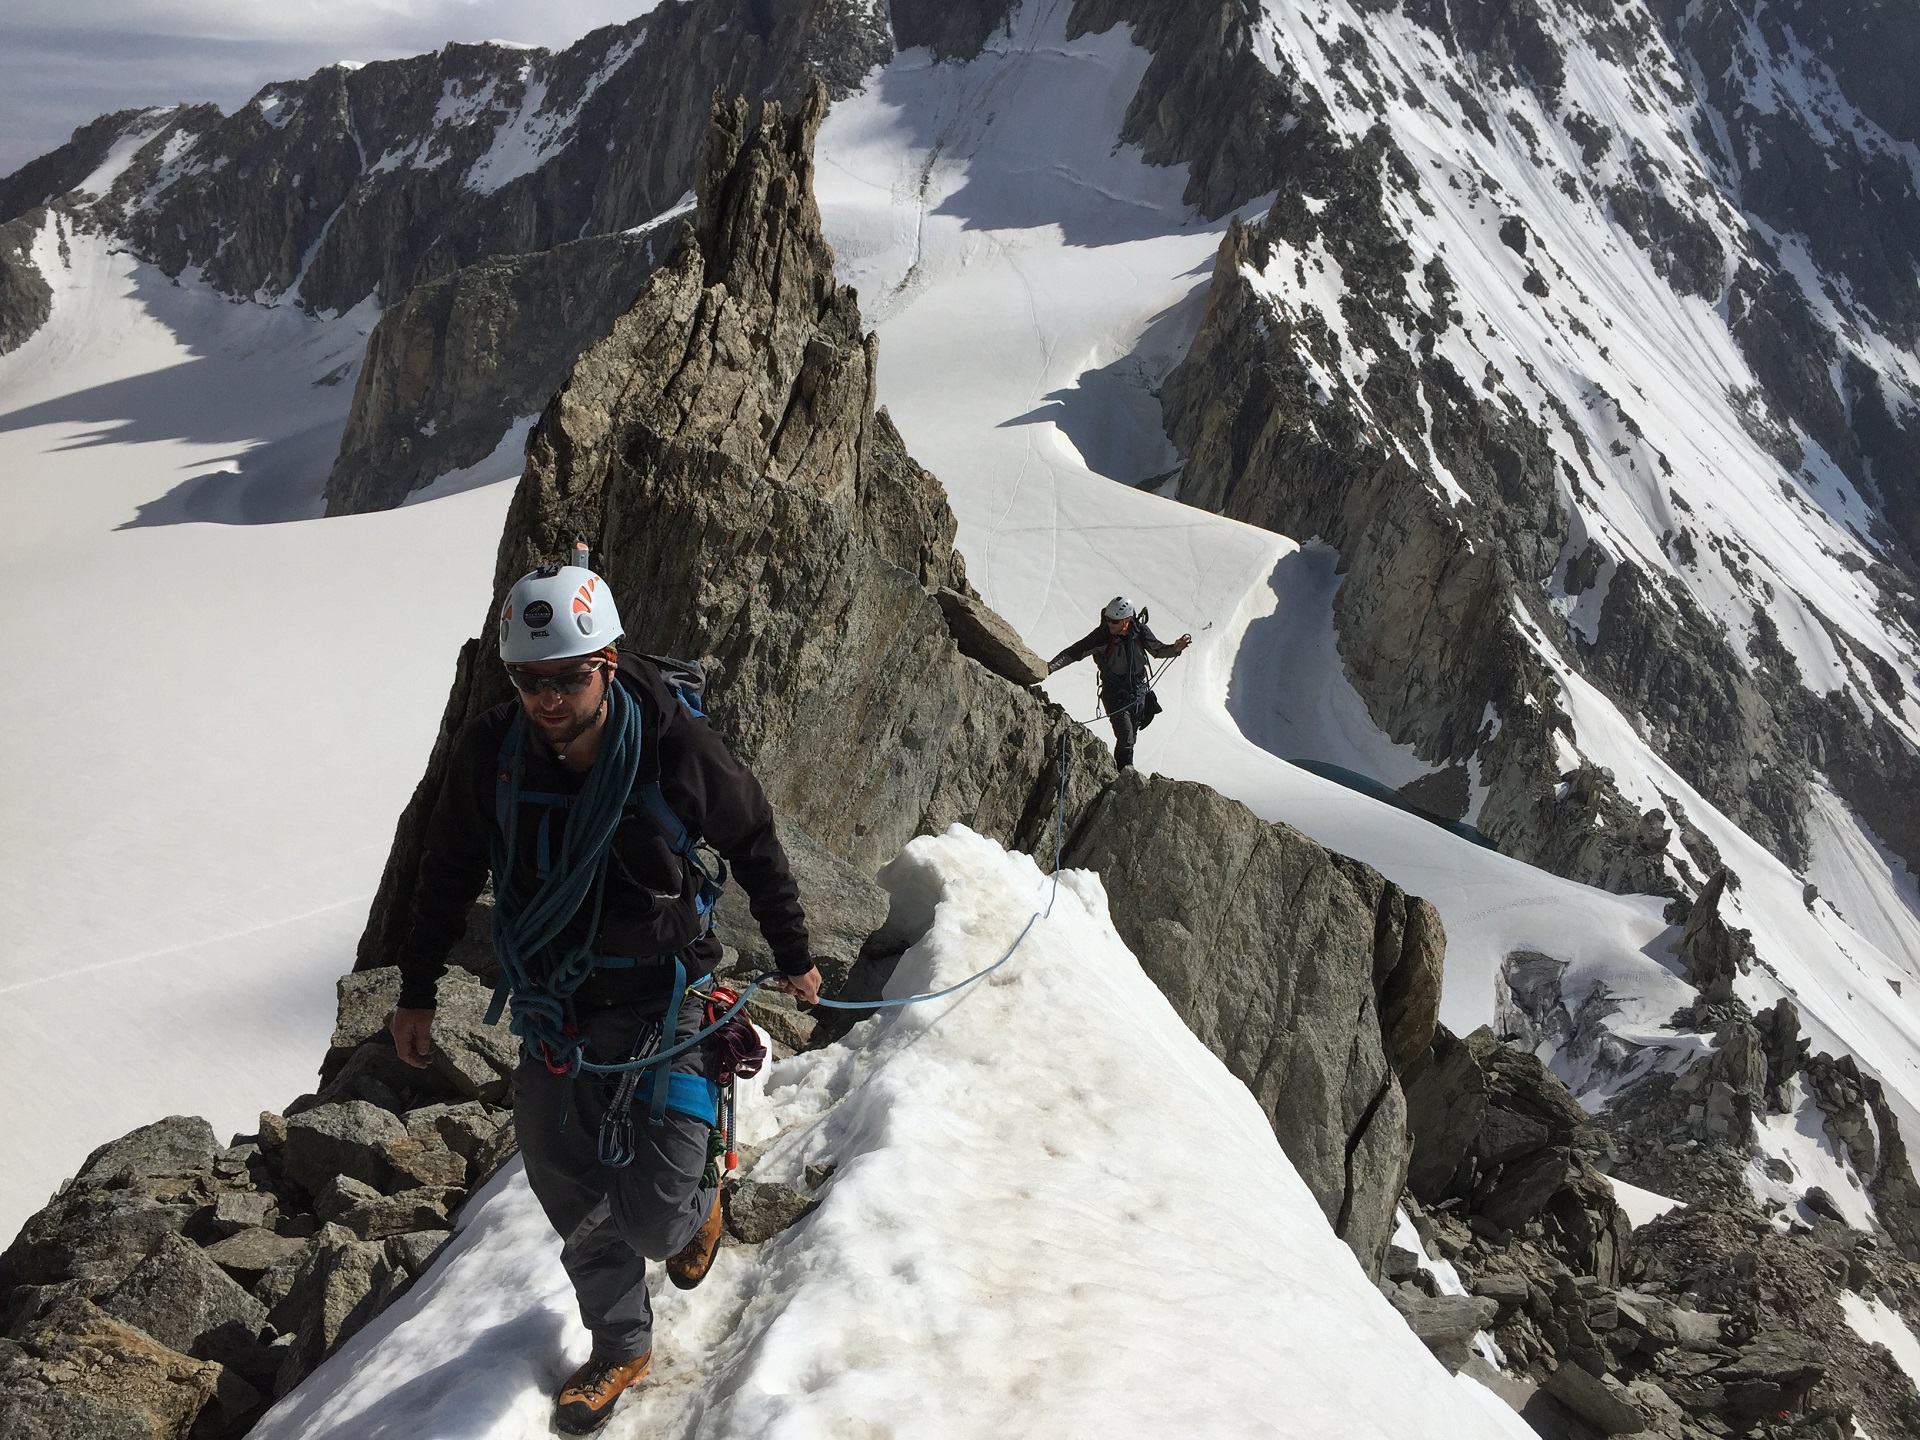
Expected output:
(649, 911)
(1122, 658)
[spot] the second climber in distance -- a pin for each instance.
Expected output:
(1120, 645)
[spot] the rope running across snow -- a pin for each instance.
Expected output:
(660, 1057)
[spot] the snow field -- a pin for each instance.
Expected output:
(194, 821)
(1053, 1212)
(1880, 1324)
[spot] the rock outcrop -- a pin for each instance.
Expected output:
(1699, 1324)
(450, 368)
(1353, 425)
(25, 297)
(1252, 932)
(367, 181)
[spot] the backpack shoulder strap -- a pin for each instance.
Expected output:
(506, 763)
(650, 796)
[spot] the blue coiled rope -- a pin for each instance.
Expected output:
(523, 935)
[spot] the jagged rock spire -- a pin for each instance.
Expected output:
(742, 344)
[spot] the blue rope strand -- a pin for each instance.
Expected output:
(662, 1056)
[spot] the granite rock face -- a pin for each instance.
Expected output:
(1281, 958)
(450, 368)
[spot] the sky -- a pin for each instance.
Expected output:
(62, 62)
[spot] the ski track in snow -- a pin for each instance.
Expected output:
(219, 817)
(992, 1256)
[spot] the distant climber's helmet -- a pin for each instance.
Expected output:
(1118, 608)
(556, 612)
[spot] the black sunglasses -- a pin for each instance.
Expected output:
(568, 682)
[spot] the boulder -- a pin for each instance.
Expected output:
(982, 635)
(82, 1375)
(1445, 1323)
(466, 1128)
(1772, 1372)
(1663, 1323)
(1523, 1189)
(759, 1210)
(472, 1060)
(414, 1250)
(348, 1139)
(247, 1255)
(177, 1145)
(341, 1194)
(92, 1236)
(182, 1298)
(1507, 1290)
(1604, 1407)
(1446, 1110)
(344, 1283)
(237, 1210)
(431, 1162)
(412, 1210)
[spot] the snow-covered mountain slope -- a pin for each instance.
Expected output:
(1030, 282)
(1023, 1233)
(194, 818)
(977, 222)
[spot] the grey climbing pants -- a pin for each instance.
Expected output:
(611, 1222)
(1125, 728)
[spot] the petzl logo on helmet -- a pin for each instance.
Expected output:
(536, 614)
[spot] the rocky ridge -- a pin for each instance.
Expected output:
(365, 182)
(1718, 1318)
(721, 451)
(1481, 570)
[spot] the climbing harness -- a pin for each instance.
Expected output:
(1153, 678)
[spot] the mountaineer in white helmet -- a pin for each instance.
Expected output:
(584, 799)
(1120, 645)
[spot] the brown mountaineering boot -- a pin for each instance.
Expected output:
(588, 1397)
(689, 1267)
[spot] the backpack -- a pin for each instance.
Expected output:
(687, 681)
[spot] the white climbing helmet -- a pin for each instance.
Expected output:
(556, 612)
(1118, 608)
